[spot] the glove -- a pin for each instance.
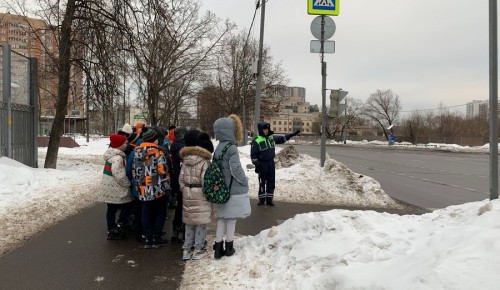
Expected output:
(257, 170)
(289, 136)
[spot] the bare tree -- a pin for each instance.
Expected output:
(448, 123)
(231, 86)
(171, 45)
(383, 108)
(71, 23)
(353, 111)
(413, 126)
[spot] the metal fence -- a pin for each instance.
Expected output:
(18, 107)
(462, 141)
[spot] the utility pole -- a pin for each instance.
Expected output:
(323, 28)
(323, 94)
(258, 88)
(87, 106)
(493, 37)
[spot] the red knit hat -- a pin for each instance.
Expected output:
(117, 140)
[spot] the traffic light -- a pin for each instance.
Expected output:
(336, 108)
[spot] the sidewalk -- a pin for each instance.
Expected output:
(75, 254)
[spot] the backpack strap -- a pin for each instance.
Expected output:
(224, 150)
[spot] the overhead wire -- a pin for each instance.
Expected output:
(442, 108)
(257, 6)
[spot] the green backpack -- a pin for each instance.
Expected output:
(214, 187)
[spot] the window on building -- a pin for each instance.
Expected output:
(274, 122)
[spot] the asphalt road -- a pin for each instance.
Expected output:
(75, 254)
(426, 179)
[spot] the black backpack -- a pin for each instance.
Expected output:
(214, 187)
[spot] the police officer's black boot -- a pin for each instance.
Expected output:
(269, 201)
(261, 201)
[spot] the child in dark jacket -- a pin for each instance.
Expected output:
(152, 180)
(134, 140)
(175, 149)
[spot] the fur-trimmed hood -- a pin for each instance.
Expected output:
(189, 154)
(229, 129)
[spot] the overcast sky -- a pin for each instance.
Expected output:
(428, 51)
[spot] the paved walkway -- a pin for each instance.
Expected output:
(75, 254)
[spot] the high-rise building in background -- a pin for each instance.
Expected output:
(34, 38)
(476, 108)
(295, 114)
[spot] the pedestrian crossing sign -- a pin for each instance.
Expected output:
(323, 7)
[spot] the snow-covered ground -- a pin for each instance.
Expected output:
(452, 248)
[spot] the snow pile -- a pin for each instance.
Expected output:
(453, 248)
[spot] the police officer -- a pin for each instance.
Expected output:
(262, 153)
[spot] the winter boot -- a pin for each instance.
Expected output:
(204, 248)
(180, 237)
(122, 229)
(229, 248)
(198, 254)
(158, 241)
(175, 235)
(218, 250)
(148, 242)
(269, 201)
(186, 255)
(114, 234)
(261, 201)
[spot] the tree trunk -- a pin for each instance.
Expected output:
(63, 86)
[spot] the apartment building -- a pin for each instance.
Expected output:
(295, 114)
(31, 37)
(476, 108)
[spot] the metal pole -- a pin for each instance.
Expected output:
(87, 121)
(124, 88)
(323, 94)
(259, 66)
(493, 100)
(6, 52)
(245, 131)
(345, 126)
(34, 103)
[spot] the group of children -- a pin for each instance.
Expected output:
(148, 168)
